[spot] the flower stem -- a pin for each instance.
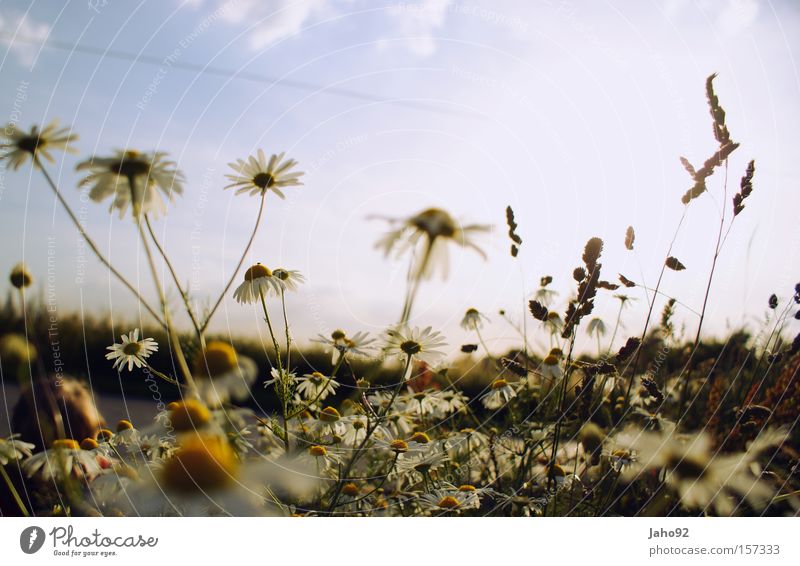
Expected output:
(284, 393)
(184, 294)
(94, 247)
(205, 324)
(14, 492)
(171, 333)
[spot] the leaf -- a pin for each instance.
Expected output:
(630, 236)
(674, 264)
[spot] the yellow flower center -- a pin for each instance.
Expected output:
(131, 164)
(89, 444)
(399, 446)
(281, 274)
(188, 415)
(257, 271)
(338, 335)
(420, 437)
(551, 360)
(124, 425)
(318, 451)
(411, 347)
(499, 383)
(329, 415)
(467, 488)
(66, 443)
(131, 348)
(201, 463)
(358, 424)
(104, 435)
(20, 277)
(435, 222)
(263, 180)
(218, 358)
(449, 502)
(350, 490)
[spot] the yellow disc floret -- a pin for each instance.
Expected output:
(189, 415)
(216, 359)
(201, 463)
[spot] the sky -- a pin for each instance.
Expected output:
(574, 113)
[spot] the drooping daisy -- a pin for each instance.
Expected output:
(420, 345)
(421, 460)
(18, 145)
(323, 459)
(257, 175)
(427, 235)
(149, 172)
(132, 351)
(64, 458)
(500, 392)
(12, 449)
(221, 374)
(473, 320)
(259, 281)
(316, 386)
(288, 279)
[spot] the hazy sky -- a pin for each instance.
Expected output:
(575, 113)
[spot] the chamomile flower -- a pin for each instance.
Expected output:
(149, 173)
(500, 392)
(221, 374)
(18, 145)
(323, 459)
(339, 343)
(473, 320)
(20, 277)
(427, 235)
(700, 477)
(288, 279)
(421, 460)
(64, 458)
(316, 386)
(131, 351)
(12, 449)
(257, 175)
(259, 281)
(442, 502)
(420, 345)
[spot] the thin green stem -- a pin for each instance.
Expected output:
(94, 247)
(184, 294)
(14, 492)
(207, 321)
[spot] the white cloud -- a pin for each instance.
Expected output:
(731, 16)
(413, 22)
(22, 35)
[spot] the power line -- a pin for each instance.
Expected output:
(243, 75)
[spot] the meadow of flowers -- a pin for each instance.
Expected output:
(386, 425)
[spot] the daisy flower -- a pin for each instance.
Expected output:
(500, 392)
(324, 460)
(420, 345)
(699, 476)
(316, 386)
(257, 175)
(259, 281)
(340, 343)
(473, 320)
(20, 277)
(132, 351)
(149, 172)
(222, 374)
(421, 460)
(64, 458)
(288, 279)
(427, 235)
(12, 449)
(18, 145)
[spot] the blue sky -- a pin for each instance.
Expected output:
(575, 113)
